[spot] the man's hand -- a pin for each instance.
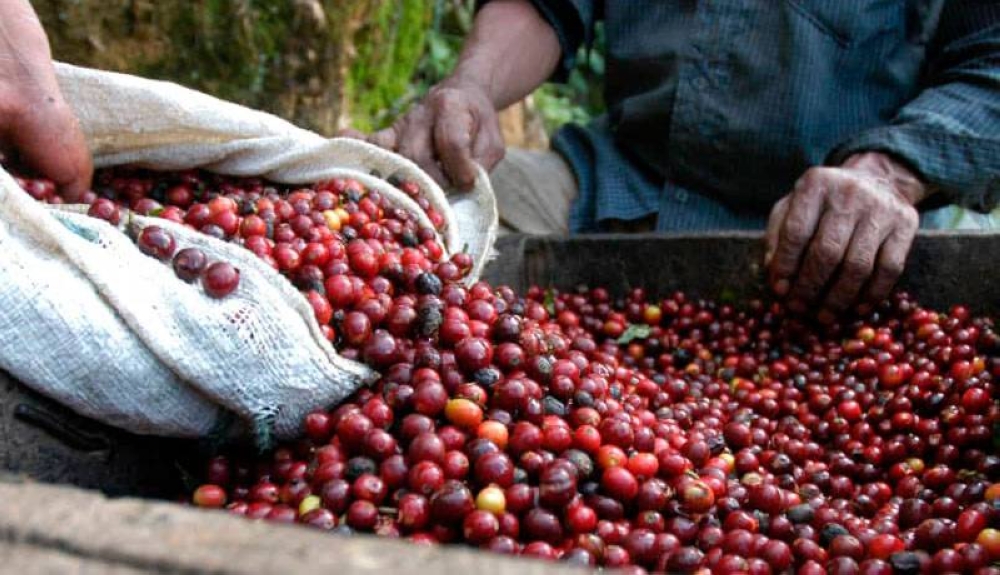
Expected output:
(843, 230)
(35, 121)
(451, 130)
(511, 51)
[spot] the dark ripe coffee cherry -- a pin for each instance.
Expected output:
(358, 466)
(486, 377)
(156, 242)
(540, 524)
(473, 354)
(557, 487)
(802, 513)
(905, 563)
(451, 503)
(362, 515)
(480, 526)
(220, 279)
(830, 532)
(494, 468)
(105, 209)
(189, 263)
(428, 284)
(381, 349)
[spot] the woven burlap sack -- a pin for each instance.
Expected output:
(87, 319)
(92, 322)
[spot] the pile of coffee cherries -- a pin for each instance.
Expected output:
(338, 242)
(669, 435)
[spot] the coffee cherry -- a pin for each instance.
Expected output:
(105, 209)
(557, 486)
(220, 279)
(619, 483)
(473, 354)
(451, 503)
(156, 242)
(189, 263)
(209, 496)
(697, 497)
(491, 499)
(362, 515)
(464, 413)
(480, 526)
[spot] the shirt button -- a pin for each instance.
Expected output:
(682, 196)
(699, 83)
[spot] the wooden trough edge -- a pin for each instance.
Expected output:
(58, 529)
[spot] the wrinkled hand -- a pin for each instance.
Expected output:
(451, 130)
(35, 120)
(843, 230)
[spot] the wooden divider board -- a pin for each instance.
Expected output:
(56, 529)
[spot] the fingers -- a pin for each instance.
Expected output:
(857, 267)
(797, 229)
(773, 233)
(415, 141)
(488, 148)
(447, 134)
(892, 260)
(824, 254)
(49, 139)
(386, 138)
(79, 168)
(838, 231)
(34, 118)
(453, 142)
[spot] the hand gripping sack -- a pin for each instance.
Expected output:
(91, 322)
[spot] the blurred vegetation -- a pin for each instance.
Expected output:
(323, 64)
(389, 48)
(319, 63)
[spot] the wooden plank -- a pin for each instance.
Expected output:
(27, 558)
(63, 524)
(944, 268)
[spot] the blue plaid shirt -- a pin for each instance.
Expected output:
(716, 107)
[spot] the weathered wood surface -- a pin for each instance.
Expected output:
(944, 267)
(52, 529)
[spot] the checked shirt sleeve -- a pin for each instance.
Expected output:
(950, 132)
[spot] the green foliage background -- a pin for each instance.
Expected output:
(576, 100)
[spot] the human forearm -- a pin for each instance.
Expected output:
(25, 59)
(511, 51)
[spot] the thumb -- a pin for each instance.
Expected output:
(387, 138)
(50, 141)
(774, 223)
